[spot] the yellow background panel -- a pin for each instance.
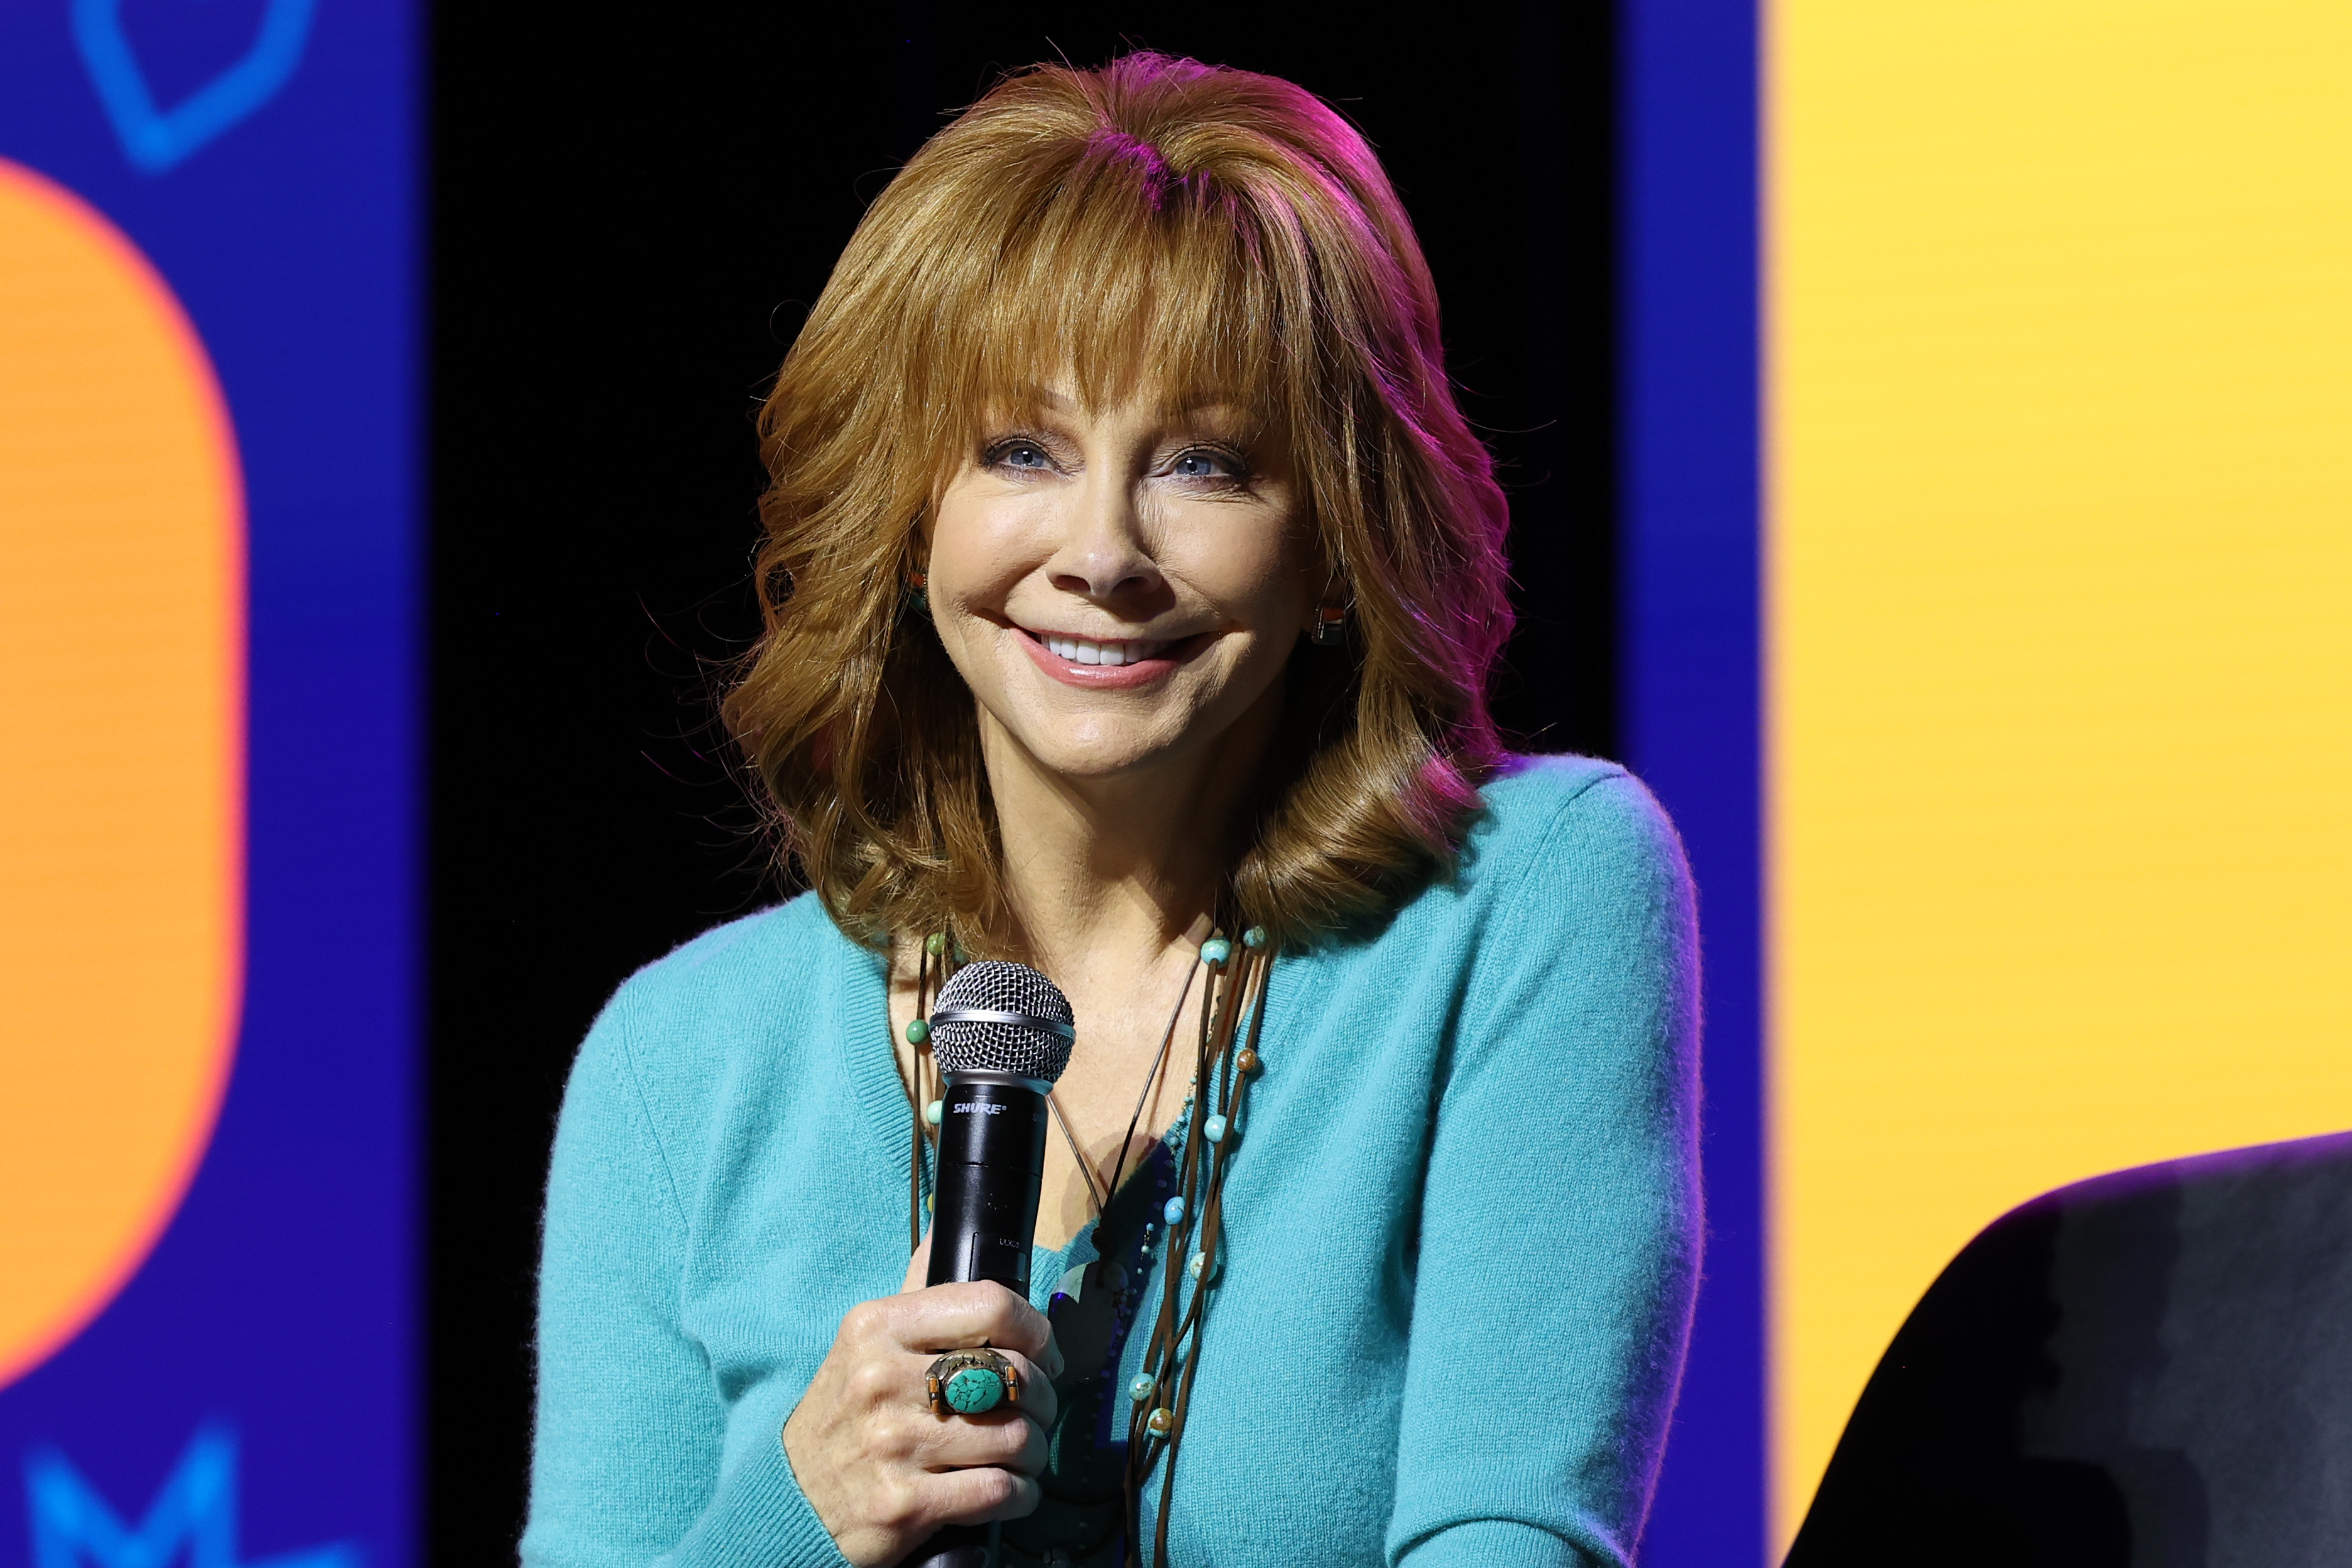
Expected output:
(122, 755)
(2061, 623)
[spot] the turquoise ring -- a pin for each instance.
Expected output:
(971, 1383)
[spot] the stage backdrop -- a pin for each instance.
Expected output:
(207, 489)
(2060, 624)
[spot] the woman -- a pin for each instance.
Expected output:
(1133, 583)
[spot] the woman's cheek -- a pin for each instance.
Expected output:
(1252, 574)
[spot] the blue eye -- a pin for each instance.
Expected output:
(1027, 455)
(1200, 465)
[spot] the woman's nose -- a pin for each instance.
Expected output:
(1103, 553)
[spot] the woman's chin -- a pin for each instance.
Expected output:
(1094, 748)
(1106, 733)
(1098, 764)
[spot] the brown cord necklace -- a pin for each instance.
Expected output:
(1098, 1191)
(1192, 1226)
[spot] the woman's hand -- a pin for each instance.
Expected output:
(884, 1473)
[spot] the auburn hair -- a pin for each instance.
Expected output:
(1158, 227)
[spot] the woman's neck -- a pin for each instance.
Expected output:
(1104, 873)
(1113, 881)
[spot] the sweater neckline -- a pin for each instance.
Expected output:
(881, 1093)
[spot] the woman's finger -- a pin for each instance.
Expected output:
(919, 1267)
(1003, 1438)
(979, 1497)
(959, 1317)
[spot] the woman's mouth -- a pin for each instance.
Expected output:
(1101, 663)
(1085, 650)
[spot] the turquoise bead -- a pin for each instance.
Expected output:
(934, 1111)
(975, 1390)
(1254, 937)
(1199, 1268)
(1143, 1388)
(1173, 1211)
(918, 1031)
(1214, 1129)
(1215, 951)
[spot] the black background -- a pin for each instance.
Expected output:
(632, 210)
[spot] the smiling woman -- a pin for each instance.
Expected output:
(1218, 257)
(1131, 587)
(1159, 553)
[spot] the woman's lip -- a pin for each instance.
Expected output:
(1105, 676)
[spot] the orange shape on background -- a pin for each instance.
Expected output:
(122, 760)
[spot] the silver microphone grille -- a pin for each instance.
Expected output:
(996, 1017)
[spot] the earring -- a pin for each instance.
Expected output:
(919, 597)
(1330, 628)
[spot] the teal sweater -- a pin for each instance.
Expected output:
(1461, 1229)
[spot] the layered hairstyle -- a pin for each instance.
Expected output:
(1156, 228)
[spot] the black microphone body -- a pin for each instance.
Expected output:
(1001, 1035)
(992, 1170)
(983, 1215)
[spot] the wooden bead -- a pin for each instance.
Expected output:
(1248, 1061)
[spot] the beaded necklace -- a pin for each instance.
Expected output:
(1161, 1391)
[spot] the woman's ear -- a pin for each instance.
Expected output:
(915, 565)
(1327, 618)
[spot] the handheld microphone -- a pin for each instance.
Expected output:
(1002, 1034)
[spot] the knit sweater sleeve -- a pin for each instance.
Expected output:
(629, 1467)
(1561, 1217)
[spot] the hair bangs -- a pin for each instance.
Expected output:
(1118, 281)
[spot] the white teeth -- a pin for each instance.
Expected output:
(1081, 650)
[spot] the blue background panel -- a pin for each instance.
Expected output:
(251, 1392)
(1688, 467)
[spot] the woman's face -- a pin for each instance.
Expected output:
(1119, 587)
